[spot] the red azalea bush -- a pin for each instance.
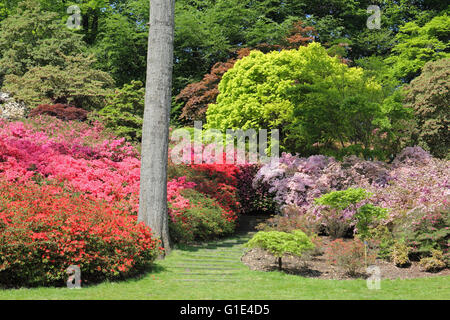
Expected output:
(60, 111)
(44, 230)
(218, 181)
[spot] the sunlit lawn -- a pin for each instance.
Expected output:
(163, 283)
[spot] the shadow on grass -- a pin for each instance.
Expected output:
(214, 244)
(302, 271)
(135, 277)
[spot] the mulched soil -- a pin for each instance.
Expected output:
(317, 267)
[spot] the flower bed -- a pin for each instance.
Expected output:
(44, 230)
(86, 159)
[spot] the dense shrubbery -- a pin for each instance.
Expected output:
(201, 218)
(125, 111)
(44, 230)
(254, 199)
(408, 202)
(47, 63)
(424, 231)
(86, 159)
(429, 95)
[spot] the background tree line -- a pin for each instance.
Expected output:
(102, 66)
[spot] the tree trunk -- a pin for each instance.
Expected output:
(280, 264)
(155, 132)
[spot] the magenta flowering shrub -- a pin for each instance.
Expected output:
(107, 170)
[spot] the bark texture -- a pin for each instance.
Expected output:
(155, 132)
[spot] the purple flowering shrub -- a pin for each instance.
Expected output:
(414, 181)
(298, 181)
(412, 156)
(420, 186)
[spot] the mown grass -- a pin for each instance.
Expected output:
(163, 282)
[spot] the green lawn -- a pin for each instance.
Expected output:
(214, 271)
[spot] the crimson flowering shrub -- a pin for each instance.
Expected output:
(44, 230)
(217, 180)
(60, 111)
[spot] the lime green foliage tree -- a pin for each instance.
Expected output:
(428, 96)
(280, 243)
(125, 110)
(397, 124)
(417, 45)
(366, 216)
(341, 200)
(317, 102)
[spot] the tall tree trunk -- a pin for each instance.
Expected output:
(155, 132)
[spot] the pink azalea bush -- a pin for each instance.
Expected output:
(86, 159)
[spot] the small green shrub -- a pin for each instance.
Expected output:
(435, 263)
(400, 255)
(280, 243)
(203, 219)
(383, 239)
(343, 199)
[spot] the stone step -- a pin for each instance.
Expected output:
(201, 268)
(218, 261)
(207, 274)
(200, 265)
(207, 280)
(219, 257)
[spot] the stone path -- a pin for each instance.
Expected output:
(213, 261)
